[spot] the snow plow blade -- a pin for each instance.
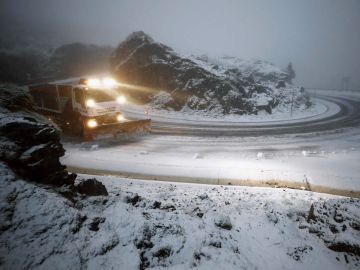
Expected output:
(127, 127)
(136, 126)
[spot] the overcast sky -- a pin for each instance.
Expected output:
(320, 37)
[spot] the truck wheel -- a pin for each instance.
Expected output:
(87, 135)
(76, 128)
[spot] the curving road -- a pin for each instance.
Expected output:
(348, 115)
(320, 152)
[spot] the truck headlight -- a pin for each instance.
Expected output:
(91, 123)
(90, 103)
(120, 118)
(109, 82)
(121, 100)
(93, 82)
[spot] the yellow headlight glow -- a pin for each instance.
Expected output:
(120, 118)
(121, 100)
(90, 103)
(91, 123)
(93, 83)
(108, 82)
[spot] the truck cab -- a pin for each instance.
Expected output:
(97, 103)
(85, 106)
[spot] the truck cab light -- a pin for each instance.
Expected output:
(90, 103)
(120, 118)
(109, 82)
(121, 100)
(93, 83)
(91, 123)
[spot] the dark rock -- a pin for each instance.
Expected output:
(35, 146)
(163, 253)
(216, 244)
(45, 134)
(333, 228)
(311, 215)
(200, 215)
(139, 60)
(355, 226)
(68, 191)
(345, 247)
(223, 222)
(273, 217)
(77, 223)
(298, 252)
(109, 245)
(168, 207)
(156, 205)
(15, 99)
(203, 196)
(94, 224)
(92, 187)
(281, 84)
(338, 217)
(145, 241)
(133, 199)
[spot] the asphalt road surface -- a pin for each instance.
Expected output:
(348, 116)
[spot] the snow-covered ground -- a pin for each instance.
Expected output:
(158, 225)
(326, 161)
(171, 225)
(225, 161)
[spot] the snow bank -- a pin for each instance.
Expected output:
(175, 226)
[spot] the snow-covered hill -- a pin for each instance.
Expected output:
(153, 225)
(166, 79)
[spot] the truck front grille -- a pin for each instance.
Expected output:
(106, 110)
(107, 119)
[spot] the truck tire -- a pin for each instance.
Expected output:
(87, 135)
(77, 125)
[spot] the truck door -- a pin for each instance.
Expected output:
(78, 100)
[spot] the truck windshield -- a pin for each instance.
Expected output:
(99, 95)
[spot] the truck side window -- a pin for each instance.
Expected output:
(79, 96)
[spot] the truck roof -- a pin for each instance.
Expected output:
(69, 81)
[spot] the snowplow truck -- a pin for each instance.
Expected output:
(86, 106)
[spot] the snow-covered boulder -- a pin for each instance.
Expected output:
(223, 222)
(29, 144)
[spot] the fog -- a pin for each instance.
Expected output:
(321, 38)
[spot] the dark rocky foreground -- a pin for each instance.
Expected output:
(176, 82)
(30, 145)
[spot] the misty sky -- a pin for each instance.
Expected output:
(320, 37)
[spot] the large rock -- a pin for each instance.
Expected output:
(92, 187)
(168, 80)
(29, 144)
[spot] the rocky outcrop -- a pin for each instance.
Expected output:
(156, 74)
(92, 187)
(29, 144)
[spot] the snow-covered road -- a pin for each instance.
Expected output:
(320, 152)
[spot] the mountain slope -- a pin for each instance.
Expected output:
(160, 76)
